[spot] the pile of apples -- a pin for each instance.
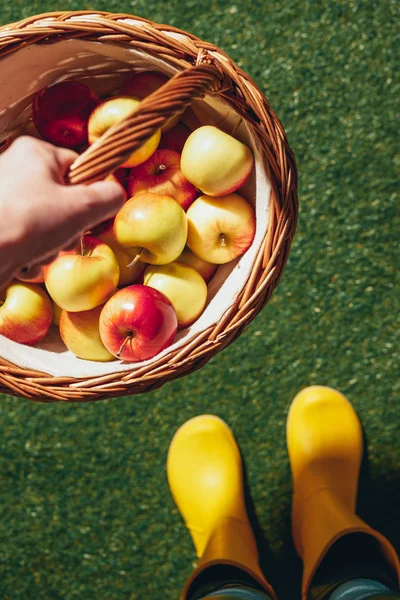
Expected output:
(138, 278)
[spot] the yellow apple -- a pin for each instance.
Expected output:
(56, 313)
(25, 313)
(83, 278)
(215, 162)
(220, 229)
(81, 334)
(114, 111)
(127, 274)
(205, 268)
(183, 286)
(152, 227)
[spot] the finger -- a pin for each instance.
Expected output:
(64, 159)
(95, 203)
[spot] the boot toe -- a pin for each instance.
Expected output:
(205, 475)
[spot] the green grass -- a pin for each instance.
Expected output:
(85, 506)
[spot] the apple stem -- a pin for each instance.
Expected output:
(82, 245)
(124, 343)
(222, 239)
(136, 259)
(160, 169)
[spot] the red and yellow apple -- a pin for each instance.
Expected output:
(205, 268)
(216, 162)
(25, 313)
(61, 113)
(84, 278)
(142, 84)
(137, 323)
(114, 111)
(161, 174)
(81, 334)
(183, 286)
(152, 227)
(127, 274)
(220, 229)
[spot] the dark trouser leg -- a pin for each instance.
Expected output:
(352, 559)
(224, 582)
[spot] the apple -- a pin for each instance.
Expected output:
(61, 113)
(175, 138)
(215, 162)
(205, 268)
(25, 313)
(56, 313)
(137, 323)
(161, 174)
(183, 286)
(144, 83)
(114, 111)
(152, 227)
(127, 274)
(122, 176)
(83, 278)
(80, 333)
(220, 229)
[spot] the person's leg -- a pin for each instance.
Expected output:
(325, 449)
(205, 476)
(363, 589)
(224, 582)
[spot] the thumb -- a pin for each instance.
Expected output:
(103, 201)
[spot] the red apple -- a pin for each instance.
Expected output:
(26, 313)
(144, 83)
(161, 174)
(61, 113)
(137, 323)
(175, 138)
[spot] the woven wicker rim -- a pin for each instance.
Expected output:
(204, 69)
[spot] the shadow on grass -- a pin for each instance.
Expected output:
(284, 574)
(378, 502)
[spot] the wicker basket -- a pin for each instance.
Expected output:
(100, 49)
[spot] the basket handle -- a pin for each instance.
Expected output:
(117, 143)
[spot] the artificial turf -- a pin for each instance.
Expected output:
(85, 506)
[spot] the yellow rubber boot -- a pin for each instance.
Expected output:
(325, 445)
(205, 476)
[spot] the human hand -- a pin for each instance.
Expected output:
(39, 214)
